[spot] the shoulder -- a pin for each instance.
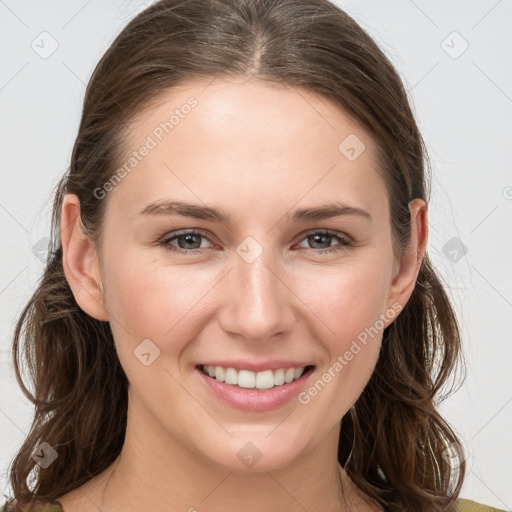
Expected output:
(54, 506)
(48, 506)
(473, 506)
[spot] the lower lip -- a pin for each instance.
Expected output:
(252, 400)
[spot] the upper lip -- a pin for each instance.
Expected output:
(256, 367)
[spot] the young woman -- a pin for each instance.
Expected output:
(238, 311)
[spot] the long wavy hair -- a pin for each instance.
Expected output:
(393, 441)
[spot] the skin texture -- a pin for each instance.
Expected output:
(258, 151)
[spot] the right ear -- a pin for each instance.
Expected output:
(80, 261)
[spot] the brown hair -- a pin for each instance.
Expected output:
(393, 441)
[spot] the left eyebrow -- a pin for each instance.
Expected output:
(327, 211)
(215, 214)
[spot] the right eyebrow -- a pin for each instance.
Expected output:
(184, 209)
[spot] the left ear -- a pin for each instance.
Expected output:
(406, 271)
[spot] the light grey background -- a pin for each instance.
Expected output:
(463, 103)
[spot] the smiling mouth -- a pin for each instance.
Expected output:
(260, 381)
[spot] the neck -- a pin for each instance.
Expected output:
(156, 472)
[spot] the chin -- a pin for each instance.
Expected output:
(256, 449)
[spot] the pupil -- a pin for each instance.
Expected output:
(315, 237)
(187, 237)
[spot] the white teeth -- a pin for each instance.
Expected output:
(265, 380)
(219, 373)
(260, 380)
(230, 376)
(245, 378)
(279, 377)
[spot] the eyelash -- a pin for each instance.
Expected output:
(345, 242)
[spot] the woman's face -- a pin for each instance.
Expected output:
(260, 282)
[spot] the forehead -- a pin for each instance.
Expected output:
(248, 140)
(229, 110)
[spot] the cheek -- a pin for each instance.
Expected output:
(147, 300)
(147, 291)
(352, 353)
(347, 299)
(350, 302)
(169, 304)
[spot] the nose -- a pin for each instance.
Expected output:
(259, 301)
